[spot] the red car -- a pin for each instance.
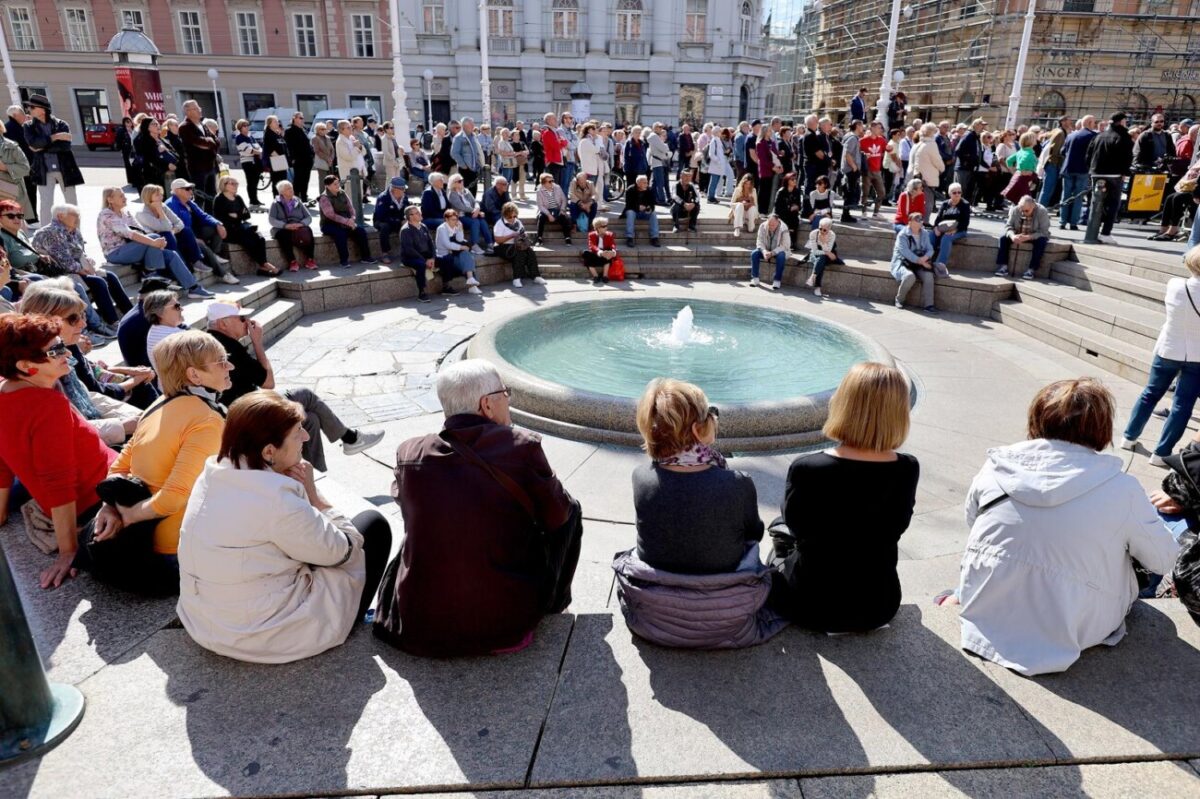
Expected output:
(101, 135)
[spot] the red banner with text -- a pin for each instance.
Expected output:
(141, 91)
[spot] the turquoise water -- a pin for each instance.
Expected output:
(738, 353)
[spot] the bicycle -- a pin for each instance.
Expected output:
(616, 184)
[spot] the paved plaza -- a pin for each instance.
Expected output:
(589, 710)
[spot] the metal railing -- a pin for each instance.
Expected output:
(572, 47)
(627, 48)
(504, 45)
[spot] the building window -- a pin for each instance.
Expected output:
(564, 19)
(629, 21)
(1050, 106)
(1137, 107)
(1146, 48)
(190, 32)
(747, 21)
(1184, 107)
(363, 26)
(247, 32)
(253, 101)
(306, 35)
(132, 18)
(92, 105)
(628, 98)
(433, 12)
(1079, 6)
(975, 53)
(695, 21)
(969, 9)
(79, 30)
(21, 22)
(501, 18)
(691, 105)
(311, 104)
(372, 102)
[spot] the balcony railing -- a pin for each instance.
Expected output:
(571, 47)
(504, 45)
(695, 51)
(627, 48)
(747, 50)
(433, 43)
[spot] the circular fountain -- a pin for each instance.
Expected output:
(578, 369)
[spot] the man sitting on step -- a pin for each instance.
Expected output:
(389, 216)
(639, 204)
(1029, 221)
(685, 202)
(202, 240)
(229, 324)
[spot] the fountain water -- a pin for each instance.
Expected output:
(681, 327)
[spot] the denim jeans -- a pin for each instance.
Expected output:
(649, 216)
(454, 264)
(566, 176)
(581, 218)
(1074, 183)
(1035, 261)
(944, 244)
(1162, 372)
(1049, 183)
(477, 230)
(153, 259)
(756, 259)
(658, 179)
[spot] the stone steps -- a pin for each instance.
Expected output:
(1111, 316)
(1139, 291)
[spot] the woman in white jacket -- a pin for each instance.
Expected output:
(269, 571)
(925, 162)
(719, 170)
(1047, 571)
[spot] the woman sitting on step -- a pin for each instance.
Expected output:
(822, 245)
(817, 544)
(743, 206)
(912, 259)
(231, 211)
(695, 579)
(291, 227)
(514, 246)
(270, 571)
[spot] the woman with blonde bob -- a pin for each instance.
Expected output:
(828, 534)
(270, 571)
(1055, 523)
(695, 579)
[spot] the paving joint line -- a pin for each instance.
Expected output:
(537, 744)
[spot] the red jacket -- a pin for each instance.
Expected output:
(596, 245)
(471, 569)
(552, 146)
(909, 205)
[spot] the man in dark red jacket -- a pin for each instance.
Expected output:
(491, 536)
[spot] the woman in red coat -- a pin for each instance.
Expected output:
(58, 457)
(912, 201)
(601, 252)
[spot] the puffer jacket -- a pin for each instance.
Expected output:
(697, 611)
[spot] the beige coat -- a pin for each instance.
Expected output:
(263, 575)
(925, 162)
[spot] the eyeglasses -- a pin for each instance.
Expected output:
(506, 391)
(73, 318)
(13, 216)
(176, 306)
(222, 362)
(59, 350)
(713, 412)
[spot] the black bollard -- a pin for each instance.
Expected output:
(1096, 211)
(35, 714)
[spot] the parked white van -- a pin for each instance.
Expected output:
(258, 120)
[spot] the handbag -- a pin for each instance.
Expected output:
(320, 164)
(522, 243)
(279, 163)
(1187, 183)
(616, 269)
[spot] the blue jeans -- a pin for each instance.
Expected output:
(566, 176)
(153, 259)
(944, 244)
(1162, 372)
(583, 219)
(1049, 183)
(756, 258)
(1194, 239)
(658, 179)
(454, 264)
(1073, 183)
(649, 216)
(478, 232)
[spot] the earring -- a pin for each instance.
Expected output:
(33, 370)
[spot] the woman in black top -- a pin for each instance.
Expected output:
(274, 145)
(537, 155)
(175, 145)
(230, 210)
(694, 515)
(958, 211)
(789, 203)
(150, 155)
(846, 508)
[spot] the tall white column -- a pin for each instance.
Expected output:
(14, 94)
(889, 63)
(1014, 99)
(485, 83)
(400, 118)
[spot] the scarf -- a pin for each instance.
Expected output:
(77, 393)
(695, 455)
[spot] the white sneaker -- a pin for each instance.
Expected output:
(737, 231)
(230, 278)
(1129, 443)
(812, 281)
(541, 281)
(1157, 461)
(471, 281)
(473, 290)
(753, 282)
(222, 261)
(1108, 240)
(899, 305)
(201, 270)
(366, 440)
(476, 250)
(817, 292)
(516, 282)
(776, 286)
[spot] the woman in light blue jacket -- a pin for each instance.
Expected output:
(913, 258)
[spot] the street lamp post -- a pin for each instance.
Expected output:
(1014, 99)
(889, 60)
(399, 95)
(14, 93)
(213, 75)
(485, 84)
(428, 100)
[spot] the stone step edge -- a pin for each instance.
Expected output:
(1122, 317)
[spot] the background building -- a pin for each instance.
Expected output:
(958, 57)
(643, 59)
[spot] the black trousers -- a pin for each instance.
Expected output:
(677, 213)
(31, 191)
(128, 560)
(563, 220)
(377, 545)
(562, 556)
(301, 176)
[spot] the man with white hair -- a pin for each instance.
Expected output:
(660, 156)
(466, 152)
(492, 537)
(200, 151)
(14, 129)
(1028, 221)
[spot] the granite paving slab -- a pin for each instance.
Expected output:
(173, 720)
(1100, 781)
(760, 789)
(901, 697)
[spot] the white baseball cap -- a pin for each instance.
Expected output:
(224, 310)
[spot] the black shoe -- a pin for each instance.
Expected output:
(930, 309)
(567, 240)
(597, 281)
(448, 291)
(655, 243)
(422, 297)
(692, 229)
(1074, 227)
(848, 220)
(629, 243)
(604, 280)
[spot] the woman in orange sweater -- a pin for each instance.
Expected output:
(174, 438)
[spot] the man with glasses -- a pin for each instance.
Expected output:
(492, 537)
(202, 240)
(1153, 145)
(300, 150)
(229, 324)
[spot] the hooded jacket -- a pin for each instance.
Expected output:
(1047, 570)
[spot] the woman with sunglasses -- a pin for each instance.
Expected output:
(231, 211)
(44, 442)
(175, 437)
(698, 530)
(390, 154)
(950, 225)
(164, 312)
